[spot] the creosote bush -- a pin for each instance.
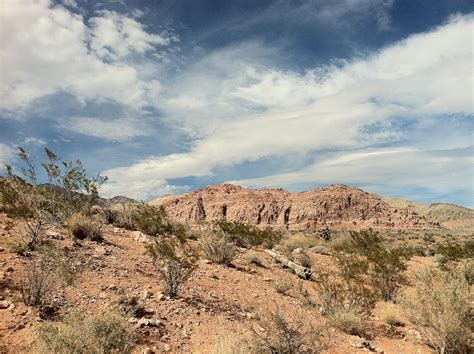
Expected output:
(364, 253)
(217, 249)
(247, 235)
(290, 332)
(38, 286)
(68, 190)
(103, 334)
(175, 261)
(441, 306)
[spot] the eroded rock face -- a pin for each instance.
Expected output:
(337, 206)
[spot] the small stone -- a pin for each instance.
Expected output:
(4, 304)
(139, 236)
(148, 350)
(160, 296)
(167, 348)
(267, 279)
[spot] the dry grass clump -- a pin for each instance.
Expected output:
(441, 306)
(391, 315)
(299, 240)
(175, 261)
(217, 249)
(83, 228)
(290, 332)
(95, 335)
(346, 304)
(252, 258)
(282, 287)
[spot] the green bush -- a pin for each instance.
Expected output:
(68, 190)
(454, 252)
(365, 253)
(248, 236)
(95, 335)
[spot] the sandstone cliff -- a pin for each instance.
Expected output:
(336, 206)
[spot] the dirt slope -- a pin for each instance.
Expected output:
(337, 206)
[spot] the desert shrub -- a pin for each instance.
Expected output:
(83, 227)
(441, 260)
(252, 258)
(440, 305)
(175, 261)
(293, 241)
(96, 335)
(468, 272)
(66, 192)
(385, 266)
(149, 220)
(391, 315)
(290, 332)
(454, 252)
(352, 265)
(343, 300)
(247, 235)
(305, 260)
(38, 284)
(217, 249)
(282, 287)
(347, 320)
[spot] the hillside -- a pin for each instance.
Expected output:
(337, 206)
(446, 214)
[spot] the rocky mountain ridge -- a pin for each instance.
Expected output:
(336, 206)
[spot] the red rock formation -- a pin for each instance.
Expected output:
(336, 206)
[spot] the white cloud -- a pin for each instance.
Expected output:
(45, 50)
(31, 140)
(7, 154)
(243, 112)
(116, 36)
(117, 129)
(440, 171)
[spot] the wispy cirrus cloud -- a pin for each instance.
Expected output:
(329, 107)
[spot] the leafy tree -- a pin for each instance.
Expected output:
(68, 190)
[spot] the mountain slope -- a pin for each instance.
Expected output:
(337, 206)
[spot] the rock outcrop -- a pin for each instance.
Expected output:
(337, 206)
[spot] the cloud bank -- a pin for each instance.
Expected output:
(350, 106)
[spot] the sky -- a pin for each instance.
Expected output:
(168, 96)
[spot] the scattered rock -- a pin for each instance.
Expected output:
(167, 348)
(145, 322)
(139, 236)
(4, 304)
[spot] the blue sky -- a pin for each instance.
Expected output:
(169, 96)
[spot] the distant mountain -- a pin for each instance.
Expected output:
(337, 206)
(120, 199)
(446, 214)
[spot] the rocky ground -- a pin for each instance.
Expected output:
(218, 303)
